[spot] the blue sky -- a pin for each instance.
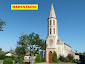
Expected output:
(70, 15)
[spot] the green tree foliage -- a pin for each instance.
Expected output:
(38, 58)
(83, 53)
(21, 48)
(31, 42)
(8, 61)
(0, 50)
(2, 56)
(76, 51)
(2, 23)
(54, 58)
(80, 53)
(12, 57)
(35, 43)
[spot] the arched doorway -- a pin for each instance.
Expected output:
(50, 56)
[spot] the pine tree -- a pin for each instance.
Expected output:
(54, 58)
(38, 58)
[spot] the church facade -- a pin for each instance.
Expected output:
(53, 41)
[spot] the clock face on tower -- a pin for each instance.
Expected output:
(50, 42)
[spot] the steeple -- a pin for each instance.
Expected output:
(52, 12)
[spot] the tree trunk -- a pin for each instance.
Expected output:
(32, 58)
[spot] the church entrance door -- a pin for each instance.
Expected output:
(50, 56)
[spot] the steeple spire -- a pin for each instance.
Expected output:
(52, 12)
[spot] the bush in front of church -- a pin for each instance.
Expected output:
(43, 59)
(62, 58)
(70, 56)
(38, 58)
(74, 61)
(66, 59)
(54, 58)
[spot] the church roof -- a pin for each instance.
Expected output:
(67, 45)
(52, 12)
(59, 42)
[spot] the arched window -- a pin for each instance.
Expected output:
(54, 30)
(53, 22)
(50, 22)
(50, 30)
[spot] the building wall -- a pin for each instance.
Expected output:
(59, 50)
(67, 47)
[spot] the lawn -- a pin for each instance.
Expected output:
(65, 63)
(1, 61)
(57, 63)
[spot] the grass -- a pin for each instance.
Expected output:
(1, 61)
(65, 63)
(57, 63)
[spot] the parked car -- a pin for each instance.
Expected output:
(81, 60)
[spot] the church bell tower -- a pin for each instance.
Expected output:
(51, 40)
(52, 23)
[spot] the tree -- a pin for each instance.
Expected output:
(83, 53)
(2, 56)
(0, 50)
(54, 58)
(2, 23)
(76, 51)
(38, 58)
(8, 61)
(35, 43)
(21, 48)
(32, 43)
(80, 53)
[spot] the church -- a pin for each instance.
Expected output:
(53, 41)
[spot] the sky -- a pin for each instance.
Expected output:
(70, 15)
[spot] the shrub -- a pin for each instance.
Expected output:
(66, 59)
(38, 58)
(2, 56)
(8, 61)
(74, 61)
(12, 57)
(54, 58)
(62, 58)
(43, 59)
(70, 56)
